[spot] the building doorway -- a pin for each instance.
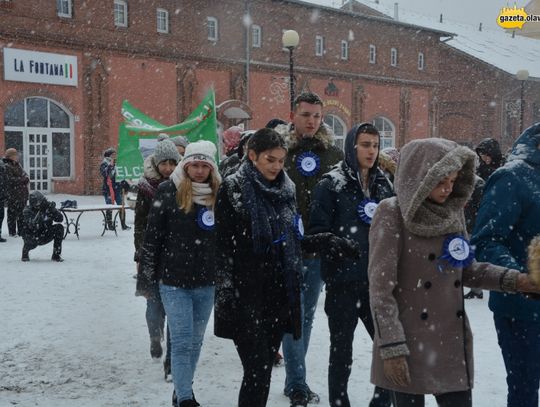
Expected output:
(42, 132)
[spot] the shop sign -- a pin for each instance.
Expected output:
(39, 67)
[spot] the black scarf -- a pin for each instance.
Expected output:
(272, 209)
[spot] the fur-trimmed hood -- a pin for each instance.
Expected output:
(325, 136)
(422, 165)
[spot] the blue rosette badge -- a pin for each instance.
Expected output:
(366, 210)
(205, 219)
(457, 251)
(308, 164)
(298, 227)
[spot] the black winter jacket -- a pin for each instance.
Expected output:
(335, 209)
(175, 250)
(251, 287)
(38, 218)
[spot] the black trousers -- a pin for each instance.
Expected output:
(455, 399)
(2, 211)
(257, 347)
(55, 233)
(345, 304)
(15, 217)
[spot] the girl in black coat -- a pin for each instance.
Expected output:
(177, 252)
(258, 278)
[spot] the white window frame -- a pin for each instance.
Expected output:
(162, 17)
(330, 120)
(393, 57)
(372, 54)
(256, 36)
(120, 4)
(60, 8)
(387, 131)
(319, 45)
(421, 61)
(344, 50)
(212, 22)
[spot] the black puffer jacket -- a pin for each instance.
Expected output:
(175, 250)
(38, 217)
(335, 209)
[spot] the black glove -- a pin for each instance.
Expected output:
(340, 248)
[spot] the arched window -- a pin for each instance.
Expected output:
(339, 128)
(41, 130)
(387, 130)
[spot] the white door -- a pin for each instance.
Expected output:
(38, 159)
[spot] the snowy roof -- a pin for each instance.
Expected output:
(495, 47)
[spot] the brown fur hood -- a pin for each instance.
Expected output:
(324, 135)
(422, 165)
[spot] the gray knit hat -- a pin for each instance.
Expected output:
(180, 141)
(165, 150)
(162, 136)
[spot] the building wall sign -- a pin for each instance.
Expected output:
(39, 67)
(337, 104)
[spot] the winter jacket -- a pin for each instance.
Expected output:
(176, 250)
(17, 182)
(3, 183)
(336, 199)
(509, 217)
(472, 206)
(321, 144)
(416, 296)
(146, 191)
(38, 218)
(491, 148)
(250, 287)
(107, 169)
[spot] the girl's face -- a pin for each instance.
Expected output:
(166, 168)
(444, 188)
(198, 172)
(269, 162)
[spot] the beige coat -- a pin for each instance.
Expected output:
(417, 298)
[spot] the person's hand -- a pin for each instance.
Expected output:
(397, 371)
(340, 247)
(525, 284)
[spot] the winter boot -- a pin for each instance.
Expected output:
(109, 221)
(2, 240)
(313, 398)
(299, 398)
(123, 220)
(57, 250)
(25, 253)
(155, 347)
(189, 403)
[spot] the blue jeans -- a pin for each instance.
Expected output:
(188, 311)
(520, 346)
(294, 352)
(155, 318)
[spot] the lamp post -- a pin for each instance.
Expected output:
(290, 40)
(522, 75)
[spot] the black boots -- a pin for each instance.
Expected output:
(123, 220)
(25, 252)
(155, 347)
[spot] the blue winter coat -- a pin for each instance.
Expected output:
(509, 217)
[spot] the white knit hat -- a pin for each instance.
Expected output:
(202, 151)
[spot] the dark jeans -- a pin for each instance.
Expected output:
(257, 348)
(455, 399)
(345, 304)
(15, 217)
(520, 346)
(55, 232)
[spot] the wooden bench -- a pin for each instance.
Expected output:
(71, 221)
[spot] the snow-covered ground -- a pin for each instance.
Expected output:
(74, 334)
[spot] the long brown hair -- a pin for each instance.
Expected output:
(184, 193)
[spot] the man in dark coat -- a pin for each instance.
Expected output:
(112, 190)
(343, 204)
(312, 153)
(39, 227)
(3, 195)
(507, 221)
(17, 191)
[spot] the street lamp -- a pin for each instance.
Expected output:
(522, 75)
(290, 40)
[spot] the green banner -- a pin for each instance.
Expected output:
(139, 132)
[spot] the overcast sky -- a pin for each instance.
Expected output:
(471, 11)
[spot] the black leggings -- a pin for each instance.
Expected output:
(455, 399)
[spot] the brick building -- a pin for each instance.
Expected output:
(69, 64)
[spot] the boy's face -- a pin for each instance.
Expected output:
(367, 149)
(307, 119)
(443, 189)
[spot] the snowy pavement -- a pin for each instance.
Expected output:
(74, 334)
